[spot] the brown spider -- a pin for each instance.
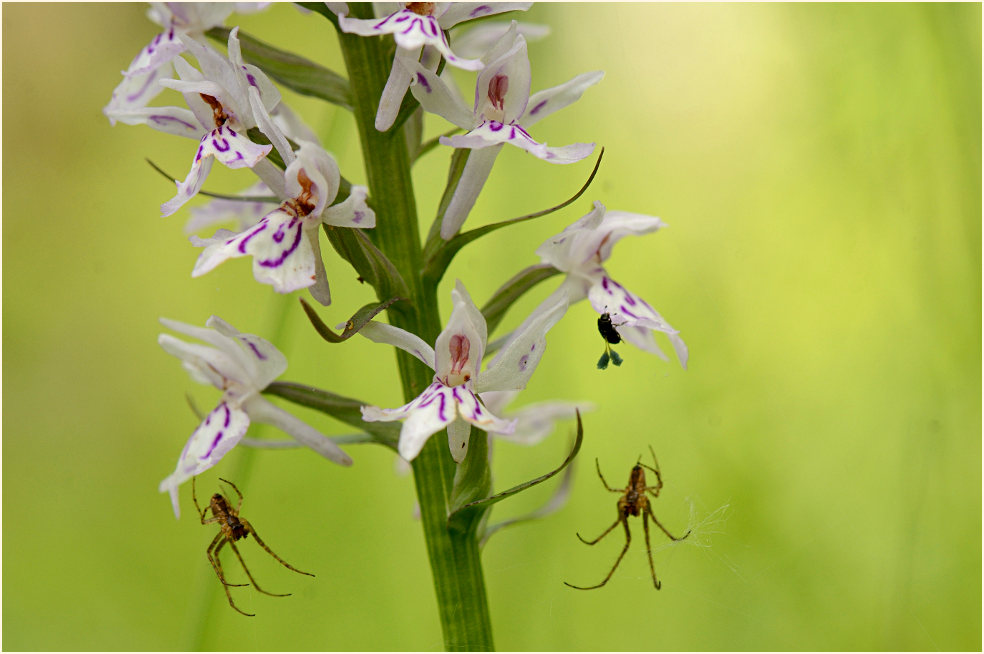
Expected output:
(232, 528)
(633, 502)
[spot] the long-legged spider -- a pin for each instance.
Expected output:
(633, 502)
(233, 528)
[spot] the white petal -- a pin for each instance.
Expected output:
(470, 184)
(157, 54)
(244, 213)
(462, 11)
(492, 132)
(514, 364)
(170, 120)
(618, 224)
(396, 87)
(479, 39)
(224, 144)
(435, 97)
(470, 409)
(218, 433)
(282, 256)
(261, 410)
(136, 91)
(633, 318)
(425, 415)
(459, 432)
(513, 65)
(543, 103)
(537, 421)
(460, 346)
(576, 246)
(354, 212)
(263, 361)
(379, 332)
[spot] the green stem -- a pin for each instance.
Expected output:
(454, 556)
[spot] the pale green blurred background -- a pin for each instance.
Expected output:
(819, 167)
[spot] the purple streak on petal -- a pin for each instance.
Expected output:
(161, 120)
(259, 228)
(604, 285)
(251, 80)
(218, 437)
(256, 351)
(537, 108)
(625, 312)
(423, 82)
(357, 218)
(276, 263)
(480, 10)
(278, 235)
(432, 26)
(454, 392)
(495, 126)
(198, 155)
(222, 145)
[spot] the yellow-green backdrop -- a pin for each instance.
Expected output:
(819, 167)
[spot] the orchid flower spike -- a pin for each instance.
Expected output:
(241, 366)
(581, 249)
(503, 110)
(451, 401)
(417, 26)
(153, 63)
(284, 243)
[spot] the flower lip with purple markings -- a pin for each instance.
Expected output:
(456, 360)
(241, 366)
(581, 249)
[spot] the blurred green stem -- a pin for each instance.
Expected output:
(454, 556)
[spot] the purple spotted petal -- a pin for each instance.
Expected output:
(425, 415)
(633, 318)
(214, 437)
(282, 253)
(224, 144)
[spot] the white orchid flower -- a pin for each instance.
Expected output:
(417, 26)
(240, 365)
(224, 98)
(503, 111)
(284, 243)
(581, 249)
(451, 401)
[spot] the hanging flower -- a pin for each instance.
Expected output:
(581, 249)
(241, 366)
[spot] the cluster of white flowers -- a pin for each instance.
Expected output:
(231, 105)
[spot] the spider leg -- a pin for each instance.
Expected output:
(201, 514)
(649, 510)
(649, 549)
(604, 533)
(628, 539)
(255, 585)
(217, 545)
(260, 542)
(659, 478)
(235, 488)
(213, 557)
(602, 478)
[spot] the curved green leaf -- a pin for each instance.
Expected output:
(352, 325)
(466, 514)
(439, 253)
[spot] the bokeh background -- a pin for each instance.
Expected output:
(819, 167)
